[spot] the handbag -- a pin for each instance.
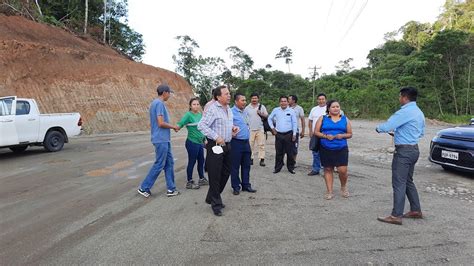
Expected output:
(315, 141)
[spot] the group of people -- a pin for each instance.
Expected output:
(234, 136)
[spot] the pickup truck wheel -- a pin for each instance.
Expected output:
(19, 149)
(54, 141)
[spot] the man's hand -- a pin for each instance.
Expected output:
(302, 135)
(274, 132)
(220, 141)
(176, 128)
(235, 130)
(293, 138)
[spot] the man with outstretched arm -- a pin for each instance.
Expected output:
(408, 126)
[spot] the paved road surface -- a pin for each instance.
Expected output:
(80, 206)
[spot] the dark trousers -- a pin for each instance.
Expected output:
(195, 153)
(403, 165)
(240, 155)
(218, 169)
(284, 145)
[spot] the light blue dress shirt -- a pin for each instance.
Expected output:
(241, 120)
(408, 125)
(285, 120)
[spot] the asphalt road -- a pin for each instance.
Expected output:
(80, 206)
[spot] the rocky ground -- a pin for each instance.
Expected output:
(80, 206)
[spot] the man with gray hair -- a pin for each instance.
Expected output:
(217, 125)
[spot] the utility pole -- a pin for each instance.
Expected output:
(314, 74)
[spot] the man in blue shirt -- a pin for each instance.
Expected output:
(241, 152)
(408, 126)
(161, 139)
(285, 134)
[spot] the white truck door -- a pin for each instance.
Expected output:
(8, 135)
(27, 122)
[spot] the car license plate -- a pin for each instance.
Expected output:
(450, 155)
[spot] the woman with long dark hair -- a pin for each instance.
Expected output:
(194, 144)
(334, 129)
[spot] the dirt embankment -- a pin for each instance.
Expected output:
(66, 73)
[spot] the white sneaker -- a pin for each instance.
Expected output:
(172, 193)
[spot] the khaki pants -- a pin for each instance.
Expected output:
(259, 137)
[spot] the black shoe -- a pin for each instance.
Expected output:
(236, 192)
(208, 202)
(249, 189)
(218, 213)
(276, 171)
(251, 161)
(313, 173)
(292, 171)
(262, 162)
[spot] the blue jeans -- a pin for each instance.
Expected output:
(164, 160)
(240, 154)
(316, 162)
(195, 153)
(403, 166)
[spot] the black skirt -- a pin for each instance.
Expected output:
(332, 158)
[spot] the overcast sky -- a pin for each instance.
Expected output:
(319, 32)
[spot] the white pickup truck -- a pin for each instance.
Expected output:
(22, 125)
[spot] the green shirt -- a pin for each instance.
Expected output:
(190, 120)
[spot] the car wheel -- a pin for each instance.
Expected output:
(447, 168)
(54, 141)
(19, 149)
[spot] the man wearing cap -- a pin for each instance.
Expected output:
(161, 139)
(217, 125)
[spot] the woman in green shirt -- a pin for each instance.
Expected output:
(194, 143)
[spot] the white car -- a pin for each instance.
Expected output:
(22, 125)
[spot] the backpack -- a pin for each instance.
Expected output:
(266, 126)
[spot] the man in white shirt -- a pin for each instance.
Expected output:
(313, 117)
(293, 101)
(256, 111)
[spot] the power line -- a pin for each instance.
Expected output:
(350, 12)
(327, 17)
(353, 22)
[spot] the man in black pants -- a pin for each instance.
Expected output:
(217, 125)
(285, 134)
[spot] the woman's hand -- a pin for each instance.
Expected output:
(330, 137)
(339, 136)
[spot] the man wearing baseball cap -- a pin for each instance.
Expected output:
(161, 139)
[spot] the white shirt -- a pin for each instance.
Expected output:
(316, 113)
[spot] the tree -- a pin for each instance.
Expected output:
(243, 63)
(86, 11)
(416, 34)
(285, 53)
(344, 67)
(185, 60)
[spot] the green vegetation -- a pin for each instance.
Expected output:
(104, 20)
(436, 59)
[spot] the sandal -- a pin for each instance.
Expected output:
(328, 196)
(344, 192)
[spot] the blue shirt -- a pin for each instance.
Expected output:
(285, 120)
(408, 124)
(158, 134)
(241, 120)
(330, 127)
